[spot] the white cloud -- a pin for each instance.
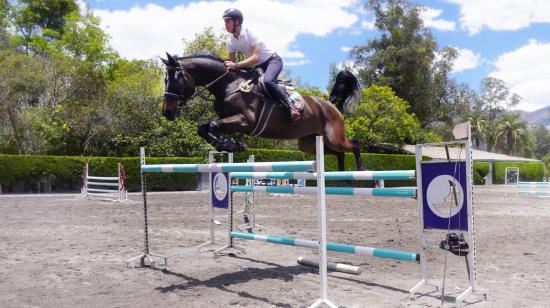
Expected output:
(296, 62)
(147, 31)
(429, 16)
(348, 65)
(369, 25)
(526, 72)
(501, 14)
(467, 59)
(346, 49)
(82, 6)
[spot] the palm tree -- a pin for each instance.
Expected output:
(512, 136)
(478, 126)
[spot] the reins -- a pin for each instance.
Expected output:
(244, 87)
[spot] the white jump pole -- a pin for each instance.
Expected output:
(322, 222)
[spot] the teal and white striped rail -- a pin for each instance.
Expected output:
(350, 191)
(359, 250)
(231, 167)
(534, 183)
(333, 175)
(530, 192)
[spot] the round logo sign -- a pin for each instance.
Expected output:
(440, 196)
(220, 186)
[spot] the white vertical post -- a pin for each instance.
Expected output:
(249, 199)
(212, 237)
(85, 184)
(144, 195)
(470, 205)
(322, 221)
(321, 216)
(422, 239)
(119, 184)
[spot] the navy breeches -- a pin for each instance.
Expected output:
(272, 67)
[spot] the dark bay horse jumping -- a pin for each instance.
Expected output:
(240, 109)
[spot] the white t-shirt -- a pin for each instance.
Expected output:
(245, 42)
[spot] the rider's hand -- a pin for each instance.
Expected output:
(231, 65)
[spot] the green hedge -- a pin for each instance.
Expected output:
(481, 169)
(528, 171)
(23, 173)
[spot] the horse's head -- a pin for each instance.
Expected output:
(179, 86)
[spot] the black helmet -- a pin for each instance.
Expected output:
(233, 14)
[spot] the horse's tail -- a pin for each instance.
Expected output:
(345, 92)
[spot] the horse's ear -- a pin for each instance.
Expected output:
(171, 60)
(164, 61)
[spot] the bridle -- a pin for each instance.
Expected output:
(180, 98)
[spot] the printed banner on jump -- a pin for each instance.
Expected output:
(444, 207)
(219, 188)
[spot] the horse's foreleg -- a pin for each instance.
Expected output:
(204, 131)
(233, 124)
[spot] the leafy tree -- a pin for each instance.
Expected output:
(542, 137)
(38, 21)
(546, 161)
(84, 40)
(402, 57)
(21, 83)
(4, 35)
(206, 41)
(494, 100)
(382, 117)
(447, 110)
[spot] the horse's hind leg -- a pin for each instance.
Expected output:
(336, 141)
(307, 145)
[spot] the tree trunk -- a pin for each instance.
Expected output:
(17, 137)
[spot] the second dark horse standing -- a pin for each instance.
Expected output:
(238, 111)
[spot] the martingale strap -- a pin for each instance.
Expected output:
(263, 118)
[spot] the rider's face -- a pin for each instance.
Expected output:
(229, 25)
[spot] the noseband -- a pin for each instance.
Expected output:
(180, 98)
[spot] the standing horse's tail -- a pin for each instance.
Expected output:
(346, 91)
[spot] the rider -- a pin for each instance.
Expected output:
(256, 51)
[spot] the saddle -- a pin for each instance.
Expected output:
(256, 77)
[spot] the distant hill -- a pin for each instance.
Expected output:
(538, 116)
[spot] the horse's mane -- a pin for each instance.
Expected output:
(203, 54)
(245, 73)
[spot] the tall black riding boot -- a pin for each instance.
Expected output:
(293, 113)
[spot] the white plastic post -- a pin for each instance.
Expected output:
(322, 221)
(120, 188)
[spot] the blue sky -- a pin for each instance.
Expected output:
(498, 38)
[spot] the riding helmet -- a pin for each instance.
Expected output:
(233, 14)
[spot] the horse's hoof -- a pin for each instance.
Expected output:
(227, 146)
